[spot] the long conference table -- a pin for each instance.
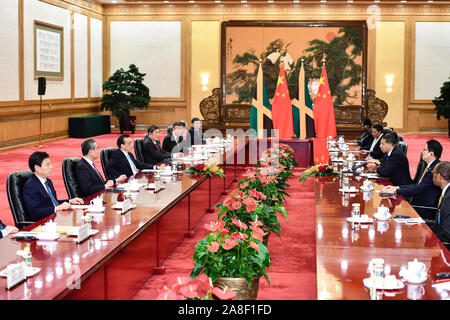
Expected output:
(344, 251)
(129, 248)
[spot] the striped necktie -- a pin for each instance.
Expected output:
(95, 168)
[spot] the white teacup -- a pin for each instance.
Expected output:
(383, 211)
(367, 184)
(50, 227)
(416, 271)
(97, 203)
(415, 292)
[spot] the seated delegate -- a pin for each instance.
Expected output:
(39, 195)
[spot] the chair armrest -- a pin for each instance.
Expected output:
(423, 207)
(23, 224)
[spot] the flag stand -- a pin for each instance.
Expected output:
(40, 122)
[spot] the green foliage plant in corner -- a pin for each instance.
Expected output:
(442, 103)
(125, 91)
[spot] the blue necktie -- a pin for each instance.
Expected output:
(387, 157)
(55, 202)
(133, 167)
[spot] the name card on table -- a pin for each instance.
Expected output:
(82, 233)
(126, 206)
(15, 274)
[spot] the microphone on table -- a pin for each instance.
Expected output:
(355, 167)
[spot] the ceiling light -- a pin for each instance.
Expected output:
(350, 1)
(323, 1)
(296, 1)
(403, 1)
(243, 1)
(217, 1)
(270, 1)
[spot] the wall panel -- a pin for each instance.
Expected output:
(9, 53)
(36, 10)
(80, 55)
(154, 47)
(96, 46)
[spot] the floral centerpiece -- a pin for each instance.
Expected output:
(238, 254)
(251, 206)
(205, 168)
(200, 288)
(321, 169)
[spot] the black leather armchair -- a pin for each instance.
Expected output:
(403, 146)
(69, 177)
(421, 166)
(138, 149)
(14, 187)
(105, 156)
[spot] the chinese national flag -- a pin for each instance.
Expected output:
(282, 108)
(324, 120)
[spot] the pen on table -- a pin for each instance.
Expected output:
(442, 280)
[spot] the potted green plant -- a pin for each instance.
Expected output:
(235, 260)
(442, 104)
(125, 91)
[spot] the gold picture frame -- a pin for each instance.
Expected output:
(48, 51)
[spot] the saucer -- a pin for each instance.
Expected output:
(368, 282)
(94, 209)
(29, 271)
(359, 220)
(415, 281)
(366, 189)
(119, 206)
(47, 236)
(382, 218)
(348, 190)
(73, 233)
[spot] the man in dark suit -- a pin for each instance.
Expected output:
(5, 230)
(374, 149)
(195, 132)
(172, 142)
(424, 193)
(366, 138)
(122, 160)
(395, 166)
(39, 194)
(153, 152)
(441, 178)
(89, 178)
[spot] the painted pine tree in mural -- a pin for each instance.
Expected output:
(342, 50)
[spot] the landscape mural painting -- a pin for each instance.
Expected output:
(245, 43)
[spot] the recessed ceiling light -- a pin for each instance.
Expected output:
(243, 1)
(403, 1)
(323, 1)
(296, 1)
(350, 1)
(114, 1)
(191, 1)
(430, 1)
(376, 1)
(217, 1)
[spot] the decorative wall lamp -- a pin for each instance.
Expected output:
(389, 82)
(205, 80)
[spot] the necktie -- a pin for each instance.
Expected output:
(95, 168)
(423, 175)
(440, 200)
(157, 146)
(133, 167)
(387, 157)
(55, 202)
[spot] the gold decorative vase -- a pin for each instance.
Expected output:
(240, 287)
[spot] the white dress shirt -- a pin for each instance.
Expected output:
(375, 142)
(133, 167)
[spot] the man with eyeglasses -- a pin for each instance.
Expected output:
(395, 165)
(89, 179)
(424, 195)
(122, 160)
(441, 178)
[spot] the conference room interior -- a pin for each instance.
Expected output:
(189, 51)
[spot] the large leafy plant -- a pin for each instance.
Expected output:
(125, 91)
(240, 254)
(442, 103)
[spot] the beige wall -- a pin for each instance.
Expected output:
(205, 59)
(390, 45)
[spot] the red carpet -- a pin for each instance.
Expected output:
(292, 273)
